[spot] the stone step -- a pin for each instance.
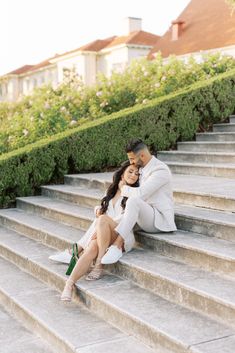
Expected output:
(218, 199)
(195, 219)
(98, 181)
(232, 119)
(123, 303)
(61, 211)
(180, 283)
(16, 338)
(87, 197)
(197, 157)
(204, 200)
(67, 329)
(202, 191)
(206, 146)
(220, 192)
(224, 127)
(216, 136)
(49, 232)
(208, 222)
(214, 170)
(206, 252)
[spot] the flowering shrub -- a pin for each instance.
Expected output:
(52, 110)
(100, 143)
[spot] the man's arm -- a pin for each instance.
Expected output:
(154, 182)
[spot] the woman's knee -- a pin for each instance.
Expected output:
(92, 248)
(103, 220)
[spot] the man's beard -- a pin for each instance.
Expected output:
(139, 163)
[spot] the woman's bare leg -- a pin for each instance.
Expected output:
(82, 266)
(105, 234)
(84, 262)
(119, 242)
(80, 249)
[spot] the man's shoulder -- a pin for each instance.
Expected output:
(158, 167)
(157, 164)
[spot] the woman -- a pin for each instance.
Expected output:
(101, 233)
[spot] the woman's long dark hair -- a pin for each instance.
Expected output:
(113, 188)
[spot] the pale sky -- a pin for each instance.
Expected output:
(33, 30)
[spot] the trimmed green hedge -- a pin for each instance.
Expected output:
(100, 144)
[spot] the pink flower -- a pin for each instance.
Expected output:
(103, 104)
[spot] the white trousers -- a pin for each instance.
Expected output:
(137, 212)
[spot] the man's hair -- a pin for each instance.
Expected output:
(135, 145)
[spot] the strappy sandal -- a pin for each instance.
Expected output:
(66, 295)
(95, 274)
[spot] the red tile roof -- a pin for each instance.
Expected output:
(29, 68)
(137, 37)
(97, 45)
(20, 70)
(41, 65)
(209, 24)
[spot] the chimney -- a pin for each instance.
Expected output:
(132, 24)
(176, 29)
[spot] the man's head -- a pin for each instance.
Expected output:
(138, 153)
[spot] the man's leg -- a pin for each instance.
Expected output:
(137, 211)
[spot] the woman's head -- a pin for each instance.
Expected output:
(127, 172)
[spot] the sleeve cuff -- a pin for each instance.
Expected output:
(125, 191)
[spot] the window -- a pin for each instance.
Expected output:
(119, 67)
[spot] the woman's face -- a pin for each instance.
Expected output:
(131, 174)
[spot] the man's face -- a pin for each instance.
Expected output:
(135, 158)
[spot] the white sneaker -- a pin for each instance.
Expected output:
(112, 255)
(63, 257)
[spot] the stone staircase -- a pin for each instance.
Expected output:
(174, 293)
(213, 153)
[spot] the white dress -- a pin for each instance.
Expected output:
(116, 213)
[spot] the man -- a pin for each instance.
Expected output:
(150, 205)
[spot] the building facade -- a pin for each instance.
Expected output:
(100, 56)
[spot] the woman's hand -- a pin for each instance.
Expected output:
(121, 184)
(97, 212)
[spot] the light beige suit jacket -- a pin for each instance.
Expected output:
(156, 189)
